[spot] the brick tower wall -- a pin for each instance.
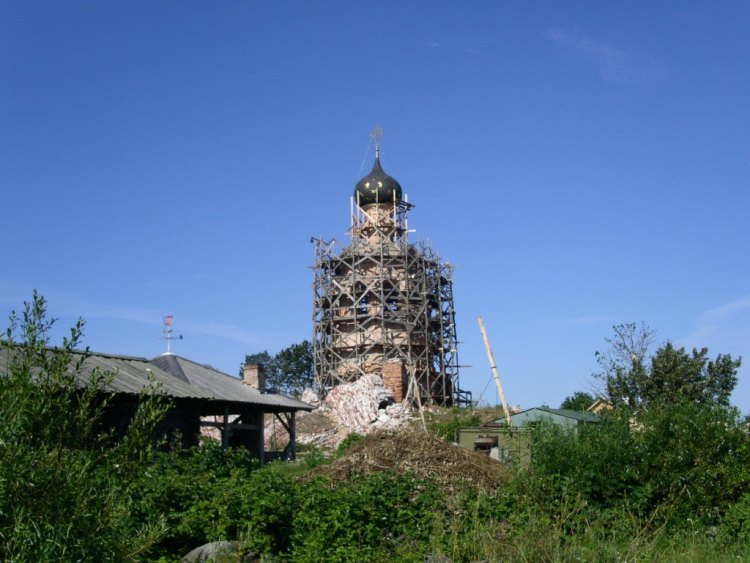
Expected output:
(393, 379)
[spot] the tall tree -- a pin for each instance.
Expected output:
(294, 368)
(578, 401)
(671, 375)
(290, 371)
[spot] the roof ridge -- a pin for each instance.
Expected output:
(102, 354)
(207, 366)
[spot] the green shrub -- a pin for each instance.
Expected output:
(598, 461)
(735, 526)
(61, 482)
(446, 426)
(365, 520)
(347, 443)
(196, 492)
(687, 461)
(645, 487)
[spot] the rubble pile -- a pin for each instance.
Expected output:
(310, 397)
(364, 406)
(419, 453)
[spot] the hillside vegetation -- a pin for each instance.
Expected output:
(668, 482)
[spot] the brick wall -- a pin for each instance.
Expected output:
(393, 379)
(253, 375)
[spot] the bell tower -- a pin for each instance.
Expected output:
(382, 305)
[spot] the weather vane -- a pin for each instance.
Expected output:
(168, 333)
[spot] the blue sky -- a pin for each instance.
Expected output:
(582, 164)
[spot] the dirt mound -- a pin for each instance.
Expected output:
(419, 453)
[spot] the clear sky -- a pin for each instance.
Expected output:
(582, 163)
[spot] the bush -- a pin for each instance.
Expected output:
(196, 492)
(598, 461)
(61, 482)
(348, 442)
(366, 520)
(687, 461)
(735, 527)
(446, 425)
(631, 488)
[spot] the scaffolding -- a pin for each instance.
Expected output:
(382, 299)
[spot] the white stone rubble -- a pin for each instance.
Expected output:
(310, 397)
(364, 406)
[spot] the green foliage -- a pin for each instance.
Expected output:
(447, 424)
(277, 515)
(313, 458)
(347, 442)
(542, 514)
(295, 368)
(671, 376)
(364, 521)
(61, 494)
(677, 376)
(579, 401)
(691, 458)
(202, 494)
(290, 371)
(668, 481)
(735, 527)
(263, 358)
(597, 460)
(39, 390)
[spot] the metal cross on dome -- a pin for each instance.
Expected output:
(376, 134)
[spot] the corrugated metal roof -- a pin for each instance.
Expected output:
(222, 385)
(583, 416)
(176, 377)
(131, 375)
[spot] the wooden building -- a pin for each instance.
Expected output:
(200, 396)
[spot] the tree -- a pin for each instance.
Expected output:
(669, 376)
(579, 401)
(260, 358)
(291, 370)
(294, 368)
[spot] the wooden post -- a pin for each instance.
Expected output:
(293, 436)
(493, 367)
(414, 387)
(225, 429)
(261, 435)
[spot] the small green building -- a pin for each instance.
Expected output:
(509, 445)
(564, 417)
(513, 445)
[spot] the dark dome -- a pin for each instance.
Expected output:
(377, 187)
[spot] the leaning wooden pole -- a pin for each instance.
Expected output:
(493, 367)
(414, 387)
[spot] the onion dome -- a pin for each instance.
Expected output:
(377, 186)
